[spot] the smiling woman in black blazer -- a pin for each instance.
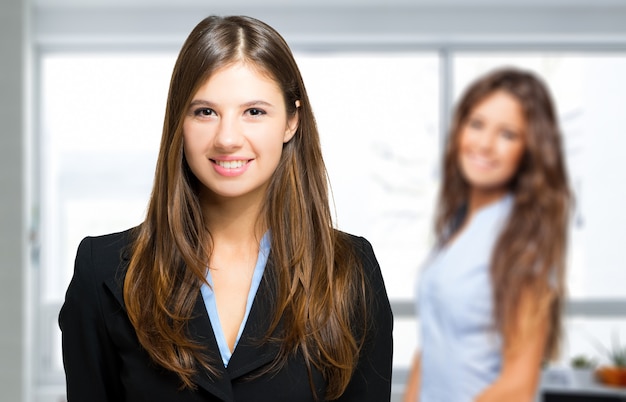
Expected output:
(236, 287)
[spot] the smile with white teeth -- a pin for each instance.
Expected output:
(231, 164)
(481, 161)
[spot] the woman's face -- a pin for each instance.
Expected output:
(234, 132)
(492, 142)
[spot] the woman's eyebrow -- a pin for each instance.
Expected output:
(257, 103)
(201, 102)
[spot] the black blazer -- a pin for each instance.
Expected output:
(104, 361)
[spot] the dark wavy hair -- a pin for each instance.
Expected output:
(530, 253)
(318, 292)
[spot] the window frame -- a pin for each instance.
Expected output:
(53, 382)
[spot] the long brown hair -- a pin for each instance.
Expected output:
(318, 290)
(530, 253)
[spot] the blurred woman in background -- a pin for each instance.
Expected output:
(491, 293)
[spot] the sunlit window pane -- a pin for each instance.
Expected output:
(100, 129)
(378, 116)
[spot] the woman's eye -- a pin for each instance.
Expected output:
(204, 112)
(255, 112)
(508, 134)
(475, 124)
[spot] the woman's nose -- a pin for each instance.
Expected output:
(486, 139)
(229, 135)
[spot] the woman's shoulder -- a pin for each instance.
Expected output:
(363, 250)
(99, 260)
(358, 243)
(352, 238)
(377, 293)
(105, 252)
(111, 239)
(107, 243)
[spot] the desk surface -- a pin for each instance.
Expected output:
(583, 396)
(588, 390)
(563, 384)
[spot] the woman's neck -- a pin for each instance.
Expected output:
(479, 199)
(233, 221)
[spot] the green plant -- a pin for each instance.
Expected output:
(583, 362)
(617, 353)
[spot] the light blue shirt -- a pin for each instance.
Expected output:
(211, 306)
(461, 351)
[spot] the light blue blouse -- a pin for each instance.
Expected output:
(211, 306)
(461, 351)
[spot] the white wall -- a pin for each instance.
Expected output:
(12, 201)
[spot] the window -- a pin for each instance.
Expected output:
(101, 118)
(380, 118)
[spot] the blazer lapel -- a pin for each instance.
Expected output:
(251, 351)
(200, 330)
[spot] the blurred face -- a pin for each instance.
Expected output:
(492, 142)
(234, 132)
